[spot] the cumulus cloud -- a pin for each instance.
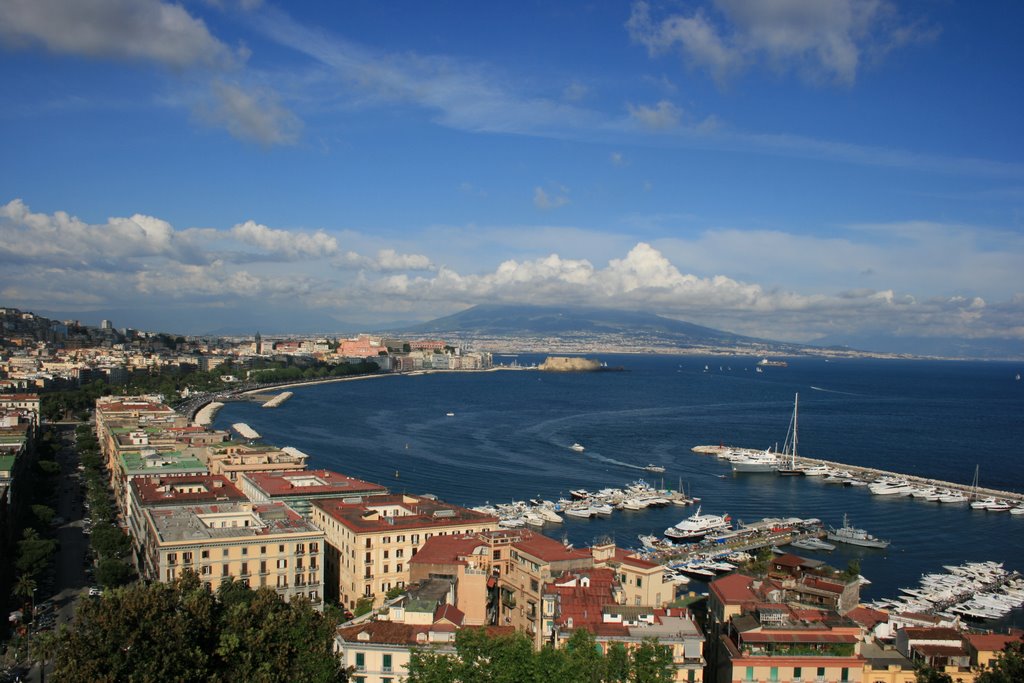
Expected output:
(285, 243)
(114, 29)
(543, 200)
(252, 115)
(64, 240)
(823, 40)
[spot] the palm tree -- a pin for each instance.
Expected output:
(25, 586)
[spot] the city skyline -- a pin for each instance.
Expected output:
(789, 170)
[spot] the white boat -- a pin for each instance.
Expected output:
(812, 544)
(953, 497)
(854, 536)
(449, 414)
(603, 509)
(654, 468)
(583, 512)
(1019, 510)
(815, 470)
(577, 447)
(697, 526)
(761, 461)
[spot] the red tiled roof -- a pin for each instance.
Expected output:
(867, 617)
(278, 484)
(548, 549)
(427, 513)
(626, 557)
(450, 613)
(788, 560)
(992, 642)
(733, 589)
(929, 650)
(447, 549)
(924, 633)
(152, 490)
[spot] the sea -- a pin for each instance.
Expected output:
(476, 437)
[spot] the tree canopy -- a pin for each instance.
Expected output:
(1008, 666)
(510, 658)
(182, 632)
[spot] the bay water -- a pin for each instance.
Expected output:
(509, 434)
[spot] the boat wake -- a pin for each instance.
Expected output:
(833, 391)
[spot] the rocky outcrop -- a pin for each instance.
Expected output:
(568, 364)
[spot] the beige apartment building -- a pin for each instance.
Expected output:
(233, 458)
(259, 544)
(371, 540)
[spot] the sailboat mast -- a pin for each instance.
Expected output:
(796, 402)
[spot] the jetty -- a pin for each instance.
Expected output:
(278, 400)
(766, 533)
(245, 430)
(870, 475)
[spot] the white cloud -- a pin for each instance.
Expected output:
(544, 201)
(385, 260)
(288, 244)
(254, 115)
(575, 91)
(661, 116)
(115, 29)
(823, 40)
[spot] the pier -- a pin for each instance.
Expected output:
(206, 414)
(278, 400)
(767, 533)
(870, 474)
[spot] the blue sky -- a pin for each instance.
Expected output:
(793, 169)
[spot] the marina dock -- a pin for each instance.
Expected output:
(870, 475)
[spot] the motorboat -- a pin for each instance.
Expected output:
(697, 526)
(812, 544)
(654, 468)
(764, 461)
(578, 447)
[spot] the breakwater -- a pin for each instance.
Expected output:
(871, 474)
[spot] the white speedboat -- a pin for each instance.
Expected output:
(577, 447)
(815, 470)
(697, 526)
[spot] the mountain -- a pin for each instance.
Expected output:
(581, 323)
(938, 347)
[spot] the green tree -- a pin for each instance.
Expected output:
(24, 587)
(652, 663)
(34, 552)
(926, 674)
(584, 657)
(1008, 666)
(616, 664)
(113, 572)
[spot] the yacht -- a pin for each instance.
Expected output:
(815, 470)
(654, 468)
(854, 536)
(762, 461)
(697, 526)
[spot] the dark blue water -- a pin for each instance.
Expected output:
(510, 434)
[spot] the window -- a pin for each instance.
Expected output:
(497, 554)
(844, 674)
(639, 582)
(360, 661)
(205, 554)
(280, 548)
(245, 550)
(314, 547)
(750, 674)
(386, 666)
(368, 557)
(245, 568)
(797, 671)
(300, 548)
(691, 676)
(224, 569)
(534, 586)
(385, 554)
(773, 674)
(298, 563)
(263, 566)
(415, 538)
(386, 540)
(172, 558)
(400, 553)
(414, 552)
(224, 552)
(368, 544)
(385, 569)
(263, 550)
(186, 558)
(398, 567)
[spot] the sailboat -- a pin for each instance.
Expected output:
(789, 447)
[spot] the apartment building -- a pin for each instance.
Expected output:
(298, 488)
(234, 458)
(371, 540)
(153, 492)
(265, 544)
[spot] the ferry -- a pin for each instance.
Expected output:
(697, 526)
